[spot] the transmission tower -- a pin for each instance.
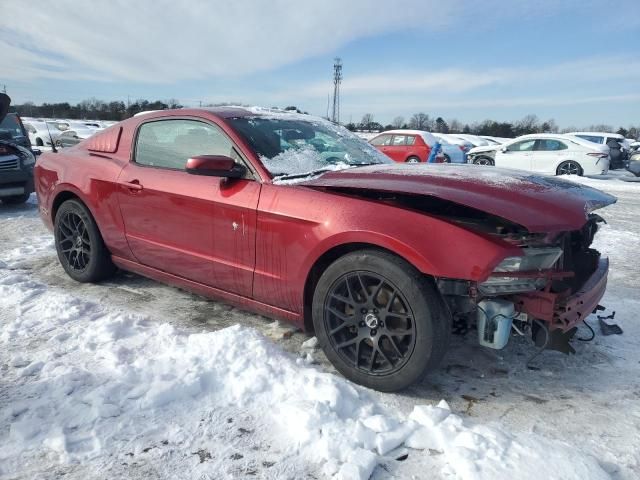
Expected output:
(337, 79)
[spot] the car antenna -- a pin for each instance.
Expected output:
(53, 145)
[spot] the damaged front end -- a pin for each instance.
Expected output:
(555, 284)
(554, 280)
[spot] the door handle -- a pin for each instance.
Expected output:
(133, 186)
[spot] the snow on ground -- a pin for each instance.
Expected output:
(136, 379)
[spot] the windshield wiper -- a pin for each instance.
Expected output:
(364, 164)
(290, 176)
(320, 171)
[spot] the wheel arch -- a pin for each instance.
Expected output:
(323, 262)
(62, 196)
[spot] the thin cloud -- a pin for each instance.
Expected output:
(165, 41)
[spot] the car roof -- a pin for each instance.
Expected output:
(602, 134)
(406, 131)
(428, 137)
(232, 111)
(559, 136)
(542, 136)
(452, 138)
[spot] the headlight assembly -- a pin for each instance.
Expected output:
(534, 260)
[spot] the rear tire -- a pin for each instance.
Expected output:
(569, 167)
(379, 320)
(81, 250)
(413, 160)
(447, 158)
(16, 199)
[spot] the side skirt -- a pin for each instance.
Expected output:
(209, 292)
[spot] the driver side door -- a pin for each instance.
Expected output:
(201, 228)
(516, 155)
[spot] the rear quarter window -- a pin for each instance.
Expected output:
(592, 138)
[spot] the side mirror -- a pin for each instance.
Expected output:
(215, 166)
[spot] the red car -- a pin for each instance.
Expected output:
(405, 146)
(293, 217)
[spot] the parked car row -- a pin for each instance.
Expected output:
(575, 153)
(414, 146)
(44, 132)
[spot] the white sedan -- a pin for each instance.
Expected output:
(546, 153)
(39, 134)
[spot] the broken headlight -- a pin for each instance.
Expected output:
(534, 260)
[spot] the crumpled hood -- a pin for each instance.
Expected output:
(537, 202)
(486, 148)
(5, 101)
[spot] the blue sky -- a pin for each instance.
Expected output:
(576, 62)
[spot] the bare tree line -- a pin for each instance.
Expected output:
(117, 110)
(528, 124)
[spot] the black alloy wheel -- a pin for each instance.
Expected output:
(370, 323)
(74, 241)
(380, 322)
(81, 249)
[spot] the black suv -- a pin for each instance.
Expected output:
(16, 157)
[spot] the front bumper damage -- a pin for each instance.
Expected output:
(564, 310)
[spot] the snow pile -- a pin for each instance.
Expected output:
(483, 452)
(93, 385)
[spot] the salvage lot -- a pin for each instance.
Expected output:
(245, 425)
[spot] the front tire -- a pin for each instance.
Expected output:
(81, 250)
(379, 321)
(483, 161)
(569, 168)
(16, 199)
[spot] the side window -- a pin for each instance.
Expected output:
(524, 146)
(550, 145)
(399, 140)
(381, 140)
(592, 138)
(170, 143)
(411, 139)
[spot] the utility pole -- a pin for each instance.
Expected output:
(337, 79)
(328, 96)
(4, 89)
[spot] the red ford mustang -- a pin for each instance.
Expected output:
(293, 217)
